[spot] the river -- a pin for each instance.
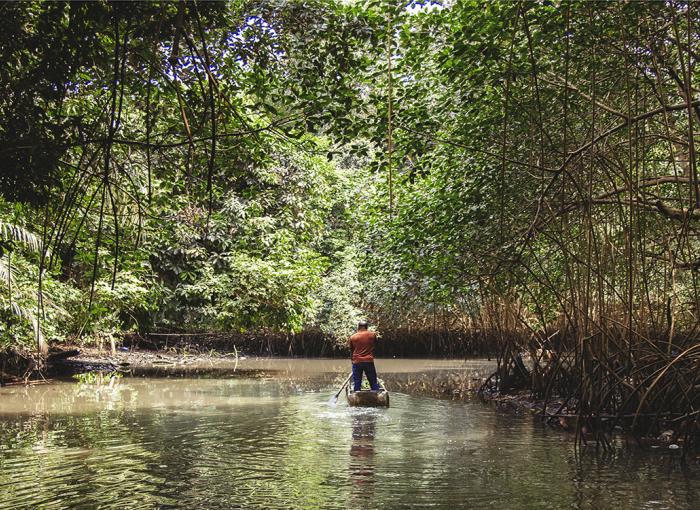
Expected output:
(267, 438)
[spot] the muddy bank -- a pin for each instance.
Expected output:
(153, 352)
(448, 377)
(149, 363)
(404, 343)
(17, 366)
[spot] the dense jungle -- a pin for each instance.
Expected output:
(511, 178)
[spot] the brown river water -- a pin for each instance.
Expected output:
(267, 438)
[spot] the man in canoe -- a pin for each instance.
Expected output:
(362, 347)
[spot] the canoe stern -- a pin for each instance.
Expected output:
(368, 398)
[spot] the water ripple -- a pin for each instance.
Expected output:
(251, 444)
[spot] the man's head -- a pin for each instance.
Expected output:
(362, 326)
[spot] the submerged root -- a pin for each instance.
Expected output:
(602, 384)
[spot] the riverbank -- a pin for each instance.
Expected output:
(397, 342)
(436, 377)
(442, 379)
(193, 353)
(449, 377)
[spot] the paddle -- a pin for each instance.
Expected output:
(334, 399)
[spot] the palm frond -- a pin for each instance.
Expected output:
(21, 235)
(7, 273)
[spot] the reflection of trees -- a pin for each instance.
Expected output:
(265, 444)
(68, 460)
(466, 456)
(160, 442)
(637, 479)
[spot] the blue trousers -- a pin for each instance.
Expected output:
(368, 368)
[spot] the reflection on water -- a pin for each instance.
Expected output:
(274, 444)
(361, 465)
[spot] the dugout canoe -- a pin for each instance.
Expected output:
(368, 398)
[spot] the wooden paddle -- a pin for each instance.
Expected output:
(334, 399)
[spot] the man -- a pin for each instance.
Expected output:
(362, 347)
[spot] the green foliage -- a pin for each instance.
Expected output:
(338, 298)
(180, 187)
(15, 328)
(223, 166)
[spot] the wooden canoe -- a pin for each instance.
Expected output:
(368, 398)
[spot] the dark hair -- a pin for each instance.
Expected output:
(362, 325)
